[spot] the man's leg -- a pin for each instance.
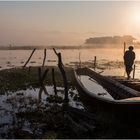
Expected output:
(128, 75)
(128, 71)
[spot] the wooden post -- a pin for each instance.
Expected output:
(29, 58)
(44, 58)
(94, 62)
(80, 59)
(53, 80)
(61, 67)
(41, 80)
(124, 47)
(134, 71)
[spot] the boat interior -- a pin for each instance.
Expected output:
(104, 88)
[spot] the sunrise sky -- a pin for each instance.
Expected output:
(67, 22)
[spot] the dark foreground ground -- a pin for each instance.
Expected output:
(49, 118)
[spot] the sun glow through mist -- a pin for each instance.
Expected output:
(66, 23)
(136, 16)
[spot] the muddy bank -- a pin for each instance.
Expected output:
(24, 113)
(23, 116)
(17, 78)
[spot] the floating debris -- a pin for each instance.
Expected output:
(51, 60)
(33, 62)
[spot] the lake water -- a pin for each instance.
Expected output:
(109, 59)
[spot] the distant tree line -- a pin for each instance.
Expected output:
(11, 47)
(111, 40)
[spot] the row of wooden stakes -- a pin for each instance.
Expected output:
(43, 75)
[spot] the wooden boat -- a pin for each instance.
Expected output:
(113, 97)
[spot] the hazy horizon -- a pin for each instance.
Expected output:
(66, 22)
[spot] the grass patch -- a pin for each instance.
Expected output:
(17, 78)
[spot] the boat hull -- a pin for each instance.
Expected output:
(122, 107)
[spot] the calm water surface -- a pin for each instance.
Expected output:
(17, 58)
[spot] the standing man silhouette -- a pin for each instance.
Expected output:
(129, 57)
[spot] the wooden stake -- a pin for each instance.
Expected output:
(134, 71)
(29, 58)
(80, 59)
(41, 80)
(53, 80)
(44, 58)
(94, 62)
(61, 67)
(124, 47)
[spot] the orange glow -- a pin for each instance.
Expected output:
(135, 16)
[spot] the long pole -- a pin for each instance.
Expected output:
(124, 47)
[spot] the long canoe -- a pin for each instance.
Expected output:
(112, 95)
